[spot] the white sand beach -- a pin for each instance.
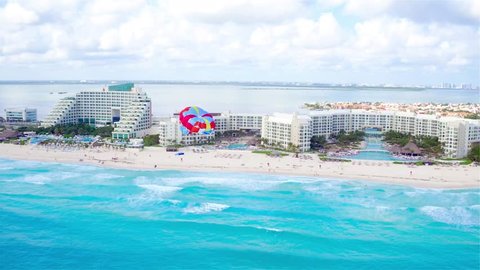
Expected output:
(156, 158)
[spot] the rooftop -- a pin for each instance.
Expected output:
(125, 87)
(288, 118)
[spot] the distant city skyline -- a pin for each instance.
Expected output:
(300, 84)
(333, 41)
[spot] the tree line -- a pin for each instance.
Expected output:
(70, 130)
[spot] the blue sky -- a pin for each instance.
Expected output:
(331, 41)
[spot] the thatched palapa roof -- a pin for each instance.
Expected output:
(409, 149)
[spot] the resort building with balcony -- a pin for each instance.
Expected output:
(169, 132)
(288, 131)
(123, 106)
(456, 134)
(294, 131)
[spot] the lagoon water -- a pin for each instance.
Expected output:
(55, 216)
(170, 98)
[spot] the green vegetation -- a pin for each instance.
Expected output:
(427, 144)
(395, 137)
(268, 152)
(347, 139)
(264, 141)
(176, 145)
(473, 116)
(318, 142)
(292, 147)
(466, 162)
(104, 132)
(151, 140)
(324, 158)
(474, 154)
(438, 162)
(277, 146)
(70, 130)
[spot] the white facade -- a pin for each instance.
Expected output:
(126, 107)
(20, 115)
(244, 121)
(62, 113)
(284, 130)
(287, 131)
(169, 128)
(456, 134)
(169, 133)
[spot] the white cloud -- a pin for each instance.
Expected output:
(13, 14)
(237, 11)
(387, 42)
(367, 8)
(238, 33)
(424, 11)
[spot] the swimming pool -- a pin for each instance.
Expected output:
(374, 150)
(375, 155)
(237, 146)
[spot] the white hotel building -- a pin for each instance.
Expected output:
(20, 115)
(125, 106)
(128, 108)
(284, 130)
(169, 128)
(287, 130)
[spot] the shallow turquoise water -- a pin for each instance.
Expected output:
(57, 216)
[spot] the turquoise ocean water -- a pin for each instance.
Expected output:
(55, 216)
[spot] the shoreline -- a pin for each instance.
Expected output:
(240, 161)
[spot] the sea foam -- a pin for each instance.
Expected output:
(452, 215)
(160, 190)
(206, 208)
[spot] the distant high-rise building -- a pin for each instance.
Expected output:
(447, 85)
(21, 115)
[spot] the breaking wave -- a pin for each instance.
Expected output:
(205, 208)
(452, 215)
